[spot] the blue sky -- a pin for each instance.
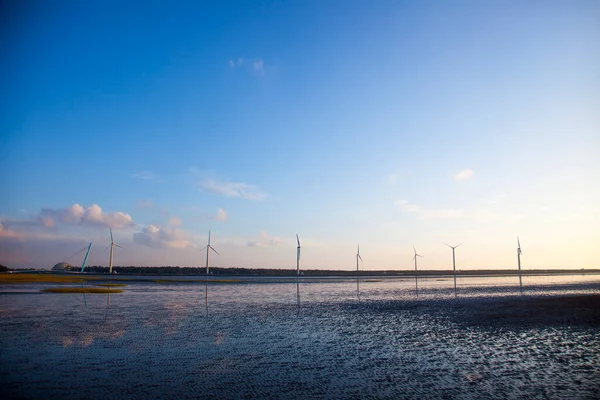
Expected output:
(381, 123)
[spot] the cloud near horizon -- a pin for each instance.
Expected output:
(78, 215)
(464, 175)
(156, 237)
(233, 189)
(264, 240)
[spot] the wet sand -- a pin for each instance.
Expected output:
(571, 310)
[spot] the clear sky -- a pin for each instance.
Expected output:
(384, 123)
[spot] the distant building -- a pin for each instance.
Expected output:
(63, 266)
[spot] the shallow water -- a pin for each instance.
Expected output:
(320, 338)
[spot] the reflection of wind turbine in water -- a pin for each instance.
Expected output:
(112, 246)
(298, 295)
(82, 267)
(416, 279)
(206, 296)
(208, 248)
(453, 264)
(519, 252)
(298, 256)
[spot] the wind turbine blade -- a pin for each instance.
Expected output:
(458, 244)
(360, 257)
(298, 239)
(518, 242)
(121, 247)
(414, 249)
(111, 237)
(209, 238)
(447, 245)
(210, 247)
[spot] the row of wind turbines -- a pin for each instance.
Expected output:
(209, 248)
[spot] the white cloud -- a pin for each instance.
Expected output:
(256, 65)
(264, 240)
(144, 175)
(464, 175)
(78, 215)
(233, 189)
(428, 213)
(153, 236)
(221, 215)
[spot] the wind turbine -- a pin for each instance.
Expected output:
(416, 278)
(112, 246)
(358, 257)
(453, 263)
(298, 256)
(519, 252)
(415, 257)
(208, 249)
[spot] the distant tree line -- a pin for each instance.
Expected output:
(4, 268)
(176, 270)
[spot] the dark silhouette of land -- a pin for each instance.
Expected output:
(238, 271)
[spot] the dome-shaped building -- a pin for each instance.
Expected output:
(63, 266)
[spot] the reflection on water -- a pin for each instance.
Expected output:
(156, 341)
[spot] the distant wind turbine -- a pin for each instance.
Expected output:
(112, 246)
(519, 252)
(208, 249)
(453, 263)
(415, 257)
(358, 257)
(298, 256)
(416, 278)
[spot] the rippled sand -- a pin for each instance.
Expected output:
(389, 339)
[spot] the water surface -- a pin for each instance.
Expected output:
(320, 338)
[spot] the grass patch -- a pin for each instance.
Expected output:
(39, 278)
(93, 290)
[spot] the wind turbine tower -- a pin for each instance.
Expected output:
(358, 257)
(415, 257)
(453, 263)
(519, 252)
(112, 246)
(208, 249)
(298, 256)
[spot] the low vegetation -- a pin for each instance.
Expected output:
(41, 278)
(93, 290)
